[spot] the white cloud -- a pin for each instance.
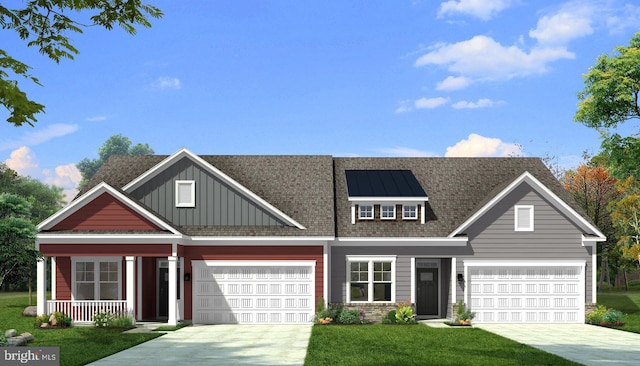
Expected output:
(480, 146)
(562, 27)
(39, 136)
(483, 9)
(96, 119)
(484, 58)
(453, 83)
(481, 103)
(24, 161)
(406, 152)
(165, 82)
(429, 103)
(405, 106)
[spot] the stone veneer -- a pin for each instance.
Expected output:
(373, 312)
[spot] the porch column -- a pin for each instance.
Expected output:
(53, 278)
(131, 294)
(139, 288)
(173, 290)
(41, 286)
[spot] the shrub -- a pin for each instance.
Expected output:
(404, 313)
(102, 318)
(352, 317)
(464, 315)
(40, 319)
(121, 321)
(3, 342)
(57, 319)
(390, 318)
(334, 311)
(320, 308)
(602, 315)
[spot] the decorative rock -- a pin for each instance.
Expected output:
(27, 336)
(10, 333)
(30, 311)
(44, 325)
(17, 341)
(52, 320)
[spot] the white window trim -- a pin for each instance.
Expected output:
(529, 227)
(96, 268)
(393, 211)
(410, 217)
(373, 212)
(371, 259)
(192, 184)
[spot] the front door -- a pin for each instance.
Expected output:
(427, 282)
(163, 292)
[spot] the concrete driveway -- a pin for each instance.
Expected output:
(220, 345)
(586, 344)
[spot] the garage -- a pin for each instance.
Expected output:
(529, 292)
(253, 292)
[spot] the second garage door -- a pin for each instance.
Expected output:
(253, 292)
(527, 293)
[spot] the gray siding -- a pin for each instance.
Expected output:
(555, 237)
(403, 255)
(217, 204)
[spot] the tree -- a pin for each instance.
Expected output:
(115, 145)
(17, 235)
(622, 155)
(610, 95)
(625, 214)
(594, 189)
(45, 25)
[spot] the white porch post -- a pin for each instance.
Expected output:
(53, 278)
(41, 286)
(130, 286)
(173, 291)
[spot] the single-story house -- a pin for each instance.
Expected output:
(263, 239)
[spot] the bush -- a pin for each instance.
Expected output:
(390, 318)
(334, 311)
(40, 319)
(404, 313)
(464, 315)
(602, 315)
(122, 321)
(57, 319)
(3, 342)
(107, 319)
(352, 317)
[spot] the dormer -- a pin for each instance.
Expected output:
(385, 195)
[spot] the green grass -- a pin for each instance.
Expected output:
(628, 303)
(78, 345)
(171, 328)
(382, 344)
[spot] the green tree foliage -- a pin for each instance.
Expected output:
(47, 26)
(17, 235)
(115, 145)
(625, 214)
(44, 200)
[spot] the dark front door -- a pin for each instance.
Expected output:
(163, 293)
(427, 282)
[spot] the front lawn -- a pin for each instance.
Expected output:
(382, 344)
(628, 303)
(78, 345)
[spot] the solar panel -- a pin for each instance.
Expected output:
(383, 183)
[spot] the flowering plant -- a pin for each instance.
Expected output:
(102, 318)
(324, 321)
(404, 313)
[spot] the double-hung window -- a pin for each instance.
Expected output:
(371, 279)
(97, 279)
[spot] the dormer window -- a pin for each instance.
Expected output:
(185, 193)
(409, 212)
(365, 212)
(388, 212)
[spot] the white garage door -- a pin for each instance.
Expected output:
(253, 292)
(527, 293)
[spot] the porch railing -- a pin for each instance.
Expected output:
(82, 311)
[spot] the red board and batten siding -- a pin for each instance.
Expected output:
(106, 213)
(89, 250)
(248, 253)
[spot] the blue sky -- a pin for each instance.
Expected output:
(345, 78)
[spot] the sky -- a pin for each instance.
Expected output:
(341, 78)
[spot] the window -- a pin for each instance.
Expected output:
(365, 212)
(388, 212)
(97, 279)
(371, 279)
(185, 193)
(409, 212)
(523, 218)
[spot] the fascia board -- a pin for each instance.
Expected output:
(217, 173)
(401, 241)
(541, 189)
(89, 239)
(398, 200)
(93, 194)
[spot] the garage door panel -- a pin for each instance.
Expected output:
(253, 294)
(531, 294)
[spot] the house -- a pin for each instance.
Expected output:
(262, 239)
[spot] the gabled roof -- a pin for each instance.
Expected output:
(97, 191)
(528, 178)
(457, 189)
(300, 187)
